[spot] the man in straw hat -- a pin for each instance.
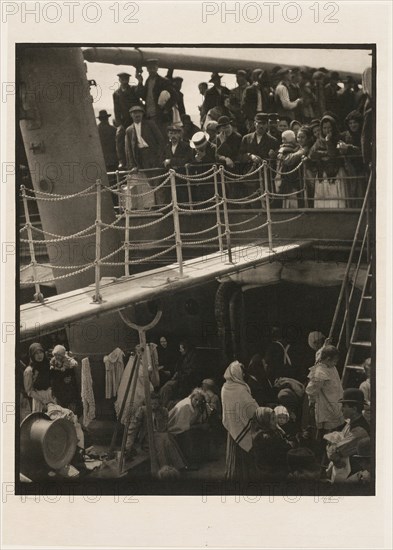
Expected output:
(123, 99)
(107, 134)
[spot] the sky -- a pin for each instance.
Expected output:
(341, 60)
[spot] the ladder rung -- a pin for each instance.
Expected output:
(361, 344)
(365, 320)
(367, 297)
(354, 367)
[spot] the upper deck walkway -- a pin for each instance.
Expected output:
(119, 293)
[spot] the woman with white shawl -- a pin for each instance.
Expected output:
(238, 409)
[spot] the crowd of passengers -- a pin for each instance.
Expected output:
(279, 416)
(313, 127)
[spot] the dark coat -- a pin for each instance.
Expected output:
(213, 98)
(183, 154)
(326, 152)
(164, 114)
(153, 137)
(210, 155)
(250, 101)
(123, 100)
(230, 147)
(250, 146)
(107, 134)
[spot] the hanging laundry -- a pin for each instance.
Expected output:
(87, 394)
(114, 368)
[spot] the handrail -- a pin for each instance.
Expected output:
(350, 258)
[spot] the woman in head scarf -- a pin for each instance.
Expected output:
(36, 378)
(270, 445)
(351, 148)
(330, 184)
(238, 408)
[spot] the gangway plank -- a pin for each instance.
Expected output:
(71, 307)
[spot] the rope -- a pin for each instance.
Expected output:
(246, 221)
(286, 194)
(66, 276)
(193, 179)
(60, 238)
(153, 190)
(197, 203)
(193, 176)
(25, 267)
(56, 197)
(145, 243)
(290, 172)
(201, 209)
(64, 266)
(287, 220)
(240, 231)
(242, 201)
(25, 227)
(143, 260)
(142, 226)
(242, 176)
(200, 232)
(201, 242)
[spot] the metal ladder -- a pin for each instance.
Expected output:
(360, 340)
(358, 335)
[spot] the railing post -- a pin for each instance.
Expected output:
(369, 229)
(304, 178)
(268, 215)
(118, 190)
(176, 222)
(347, 317)
(97, 298)
(127, 230)
(189, 188)
(262, 188)
(218, 215)
(38, 296)
(226, 217)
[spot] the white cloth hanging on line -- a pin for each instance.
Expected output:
(114, 368)
(87, 394)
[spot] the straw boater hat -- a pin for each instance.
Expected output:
(199, 140)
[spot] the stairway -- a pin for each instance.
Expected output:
(360, 344)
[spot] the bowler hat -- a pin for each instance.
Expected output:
(136, 108)
(215, 76)
(102, 115)
(47, 442)
(123, 74)
(261, 117)
(178, 78)
(352, 395)
(199, 139)
(223, 121)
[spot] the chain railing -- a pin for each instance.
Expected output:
(222, 192)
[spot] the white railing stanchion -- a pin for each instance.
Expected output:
(176, 222)
(218, 215)
(304, 179)
(226, 217)
(97, 298)
(127, 230)
(262, 189)
(189, 188)
(268, 215)
(38, 296)
(118, 189)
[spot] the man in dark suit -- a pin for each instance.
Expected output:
(255, 97)
(228, 142)
(107, 134)
(159, 97)
(176, 153)
(259, 144)
(213, 96)
(143, 141)
(124, 98)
